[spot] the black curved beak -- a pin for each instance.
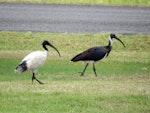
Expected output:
(119, 40)
(55, 49)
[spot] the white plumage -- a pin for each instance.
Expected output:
(35, 60)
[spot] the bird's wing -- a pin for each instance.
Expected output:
(35, 59)
(30, 56)
(33, 55)
(94, 54)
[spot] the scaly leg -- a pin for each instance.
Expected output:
(94, 69)
(33, 77)
(82, 74)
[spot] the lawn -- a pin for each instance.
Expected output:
(122, 85)
(91, 2)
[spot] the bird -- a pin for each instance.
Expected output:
(35, 60)
(94, 54)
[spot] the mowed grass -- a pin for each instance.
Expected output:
(122, 84)
(92, 2)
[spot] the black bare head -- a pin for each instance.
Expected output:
(45, 42)
(114, 36)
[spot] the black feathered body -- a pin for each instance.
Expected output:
(93, 54)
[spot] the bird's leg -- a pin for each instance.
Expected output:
(33, 77)
(82, 74)
(94, 69)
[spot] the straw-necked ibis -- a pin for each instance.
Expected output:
(95, 54)
(35, 60)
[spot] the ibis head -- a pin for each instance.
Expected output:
(114, 36)
(45, 42)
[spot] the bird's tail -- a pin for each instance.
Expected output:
(76, 58)
(21, 67)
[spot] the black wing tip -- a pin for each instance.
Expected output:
(21, 67)
(75, 59)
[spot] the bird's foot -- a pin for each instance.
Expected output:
(41, 83)
(81, 73)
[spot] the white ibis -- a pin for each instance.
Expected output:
(35, 60)
(95, 54)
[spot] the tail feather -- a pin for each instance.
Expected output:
(76, 58)
(21, 67)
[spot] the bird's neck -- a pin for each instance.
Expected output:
(44, 46)
(109, 46)
(46, 52)
(110, 42)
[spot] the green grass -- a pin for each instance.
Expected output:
(122, 85)
(93, 2)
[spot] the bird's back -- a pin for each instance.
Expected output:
(92, 54)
